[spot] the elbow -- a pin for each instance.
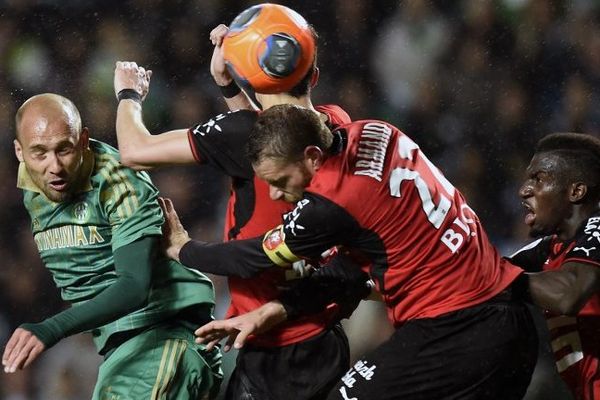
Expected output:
(138, 302)
(138, 297)
(129, 160)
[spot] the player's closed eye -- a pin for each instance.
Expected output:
(65, 151)
(39, 154)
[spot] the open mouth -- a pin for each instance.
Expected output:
(59, 185)
(529, 215)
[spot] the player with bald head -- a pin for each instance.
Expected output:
(50, 143)
(97, 225)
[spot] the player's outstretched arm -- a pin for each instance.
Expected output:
(129, 291)
(21, 350)
(235, 98)
(238, 329)
(340, 281)
(243, 258)
(566, 290)
(139, 149)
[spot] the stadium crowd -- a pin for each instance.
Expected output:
(475, 83)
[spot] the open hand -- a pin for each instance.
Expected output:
(174, 234)
(22, 349)
(238, 329)
(128, 75)
(218, 70)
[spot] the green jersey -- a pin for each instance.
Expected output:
(76, 240)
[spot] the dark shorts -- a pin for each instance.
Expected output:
(485, 352)
(302, 371)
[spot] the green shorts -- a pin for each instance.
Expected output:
(162, 362)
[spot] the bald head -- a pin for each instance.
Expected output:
(51, 143)
(43, 109)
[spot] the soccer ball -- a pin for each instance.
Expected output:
(269, 47)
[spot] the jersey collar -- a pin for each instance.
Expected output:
(340, 141)
(25, 182)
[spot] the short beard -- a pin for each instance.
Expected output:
(58, 197)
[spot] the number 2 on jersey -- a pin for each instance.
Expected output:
(436, 213)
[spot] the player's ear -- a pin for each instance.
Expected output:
(18, 150)
(314, 79)
(313, 156)
(577, 192)
(84, 138)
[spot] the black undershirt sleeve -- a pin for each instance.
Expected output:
(340, 281)
(242, 258)
(315, 225)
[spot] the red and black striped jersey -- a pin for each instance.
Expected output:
(574, 340)
(221, 142)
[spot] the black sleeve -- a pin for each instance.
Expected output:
(586, 249)
(315, 225)
(339, 281)
(243, 258)
(532, 256)
(221, 142)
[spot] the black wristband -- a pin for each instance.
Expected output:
(230, 90)
(129, 94)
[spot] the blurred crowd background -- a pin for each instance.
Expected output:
(474, 82)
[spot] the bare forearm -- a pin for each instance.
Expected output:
(131, 131)
(563, 291)
(548, 291)
(271, 314)
(141, 150)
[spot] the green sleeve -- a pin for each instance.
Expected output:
(129, 292)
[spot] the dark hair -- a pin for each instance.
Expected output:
(303, 87)
(581, 153)
(282, 132)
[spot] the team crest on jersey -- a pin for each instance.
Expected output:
(273, 239)
(277, 250)
(80, 211)
(292, 217)
(35, 223)
(592, 229)
(211, 124)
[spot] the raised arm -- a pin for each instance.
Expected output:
(139, 149)
(235, 98)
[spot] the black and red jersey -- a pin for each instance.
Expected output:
(221, 142)
(574, 340)
(379, 194)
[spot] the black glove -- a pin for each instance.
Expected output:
(339, 281)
